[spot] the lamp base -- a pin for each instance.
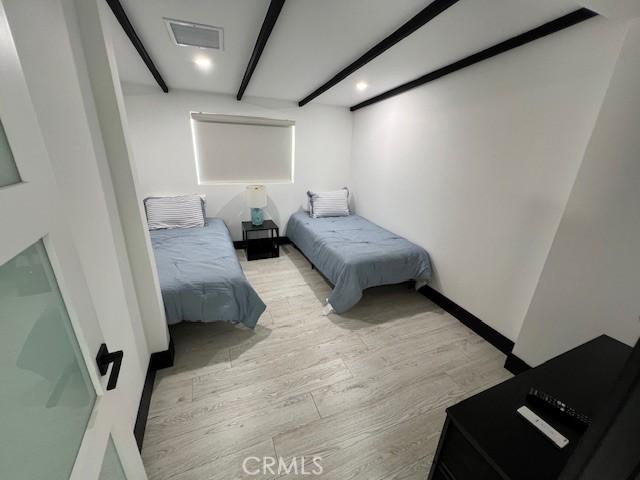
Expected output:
(257, 217)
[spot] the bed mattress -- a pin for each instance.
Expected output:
(200, 276)
(355, 254)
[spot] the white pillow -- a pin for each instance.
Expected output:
(174, 212)
(329, 204)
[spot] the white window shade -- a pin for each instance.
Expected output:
(235, 149)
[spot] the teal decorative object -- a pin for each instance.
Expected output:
(257, 218)
(256, 200)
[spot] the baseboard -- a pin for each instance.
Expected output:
(158, 361)
(240, 244)
(515, 364)
(143, 410)
(492, 336)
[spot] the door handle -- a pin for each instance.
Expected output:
(104, 358)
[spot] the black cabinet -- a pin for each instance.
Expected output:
(485, 439)
(261, 241)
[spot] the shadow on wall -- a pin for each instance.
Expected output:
(273, 213)
(435, 278)
(233, 210)
(353, 202)
(236, 211)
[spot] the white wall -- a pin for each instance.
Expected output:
(477, 167)
(163, 149)
(47, 40)
(110, 118)
(590, 282)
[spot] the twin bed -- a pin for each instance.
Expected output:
(202, 281)
(355, 254)
(201, 278)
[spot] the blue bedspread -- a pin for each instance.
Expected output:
(355, 254)
(200, 276)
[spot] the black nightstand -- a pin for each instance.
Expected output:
(261, 246)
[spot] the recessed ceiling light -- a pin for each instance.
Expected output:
(361, 86)
(203, 63)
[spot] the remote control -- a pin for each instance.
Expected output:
(546, 401)
(551, 433)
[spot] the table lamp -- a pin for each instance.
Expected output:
(257, 200)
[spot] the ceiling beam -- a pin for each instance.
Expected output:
(118, 11)
(265, 31)
(428, 13)
(548, 28)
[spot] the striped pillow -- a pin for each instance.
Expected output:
(329, 204)
(174, 212)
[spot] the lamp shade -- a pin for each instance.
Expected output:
(256, 196)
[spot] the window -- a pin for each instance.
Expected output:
(236, 149)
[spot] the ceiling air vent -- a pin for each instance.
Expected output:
(189, 34)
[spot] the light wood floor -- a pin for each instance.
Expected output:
(366, 390)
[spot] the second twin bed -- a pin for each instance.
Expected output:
(355, 254)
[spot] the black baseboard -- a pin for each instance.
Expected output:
(492, 336)
(515, 364)
(240, 244)
(158, 361)
(143, 410)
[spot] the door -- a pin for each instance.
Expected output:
(57, 419)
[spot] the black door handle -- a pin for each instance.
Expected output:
(104, 358)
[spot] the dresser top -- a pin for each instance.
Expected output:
(582, 378)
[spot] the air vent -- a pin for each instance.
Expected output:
(188, 34)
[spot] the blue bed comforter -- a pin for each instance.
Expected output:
(355, 254)
(200, 276)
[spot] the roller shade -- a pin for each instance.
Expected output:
(237, 149)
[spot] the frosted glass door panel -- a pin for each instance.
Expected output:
(111, 466)
(47, 396)
(8, 170)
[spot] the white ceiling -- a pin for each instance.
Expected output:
(314, 39)
(614, 8)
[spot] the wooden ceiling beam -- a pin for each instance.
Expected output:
(548, 28)
(423, 17)
(275, 7)
(123, 19)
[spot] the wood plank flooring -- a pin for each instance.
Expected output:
(365, 390)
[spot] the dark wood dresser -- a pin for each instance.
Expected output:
(484, 438)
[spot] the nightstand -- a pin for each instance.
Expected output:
(261, 241)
